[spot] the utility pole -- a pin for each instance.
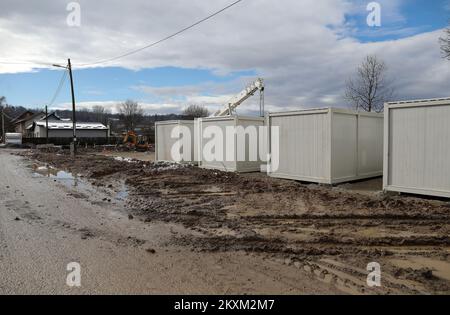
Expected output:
(261, 102)
(108, 132)
(46, 124)
(74, 119)
(69, 66)
(3, 124)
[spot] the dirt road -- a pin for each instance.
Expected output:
(49, 218)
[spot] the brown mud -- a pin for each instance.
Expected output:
(331, 233)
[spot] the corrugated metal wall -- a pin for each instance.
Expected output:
(419, 149)
(164, 141)
(370, 145)
(249, 165)
(221, 124)
(68, 133)
(328, 145)
(304, 146)
(224, 164)
(344, 147)
(40, 132)
(357, 141)
(197, 153)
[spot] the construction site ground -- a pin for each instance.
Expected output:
(137, 226)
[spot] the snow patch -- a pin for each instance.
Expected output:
(122, 159)
(166, 166)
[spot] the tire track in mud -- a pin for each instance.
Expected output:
(330, 233)
(387, 217)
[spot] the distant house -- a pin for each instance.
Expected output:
(54, 117)
(64, 129)
(25, 120)
(33, 125)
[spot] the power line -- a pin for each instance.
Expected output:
(58, 89)
(7, 116)
(64, 76)
(132, 51)
(163, 39)
(26, 63)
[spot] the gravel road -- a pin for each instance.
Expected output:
(47, 222)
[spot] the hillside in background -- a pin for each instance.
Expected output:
(144, 127)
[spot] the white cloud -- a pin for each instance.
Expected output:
(305, 61)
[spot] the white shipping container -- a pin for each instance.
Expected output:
(241, 143)
(13, 138)
(417, 147)
(327, 145)
(166, 136)
(197, 153)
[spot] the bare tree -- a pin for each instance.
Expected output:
(196, 111)
(100, 114)
(131, 113)
(445, 43)
(368, 89)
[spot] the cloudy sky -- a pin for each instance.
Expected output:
(304, 49)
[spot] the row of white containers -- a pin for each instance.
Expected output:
(166, 136)
(324, 145)
(334, 145)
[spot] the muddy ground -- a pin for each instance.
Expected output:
(331, 232)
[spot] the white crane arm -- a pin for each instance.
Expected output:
(240, 98)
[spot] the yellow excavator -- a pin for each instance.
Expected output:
(133, 142)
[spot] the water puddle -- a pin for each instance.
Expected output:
(213, 189)
(123, 193)
(69, 179)
(74, 182)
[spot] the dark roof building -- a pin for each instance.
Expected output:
(25, 120)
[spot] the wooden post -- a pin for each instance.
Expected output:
(3, 125)
(73, 108)
(46, 124)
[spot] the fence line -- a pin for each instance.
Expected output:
(80, 141)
